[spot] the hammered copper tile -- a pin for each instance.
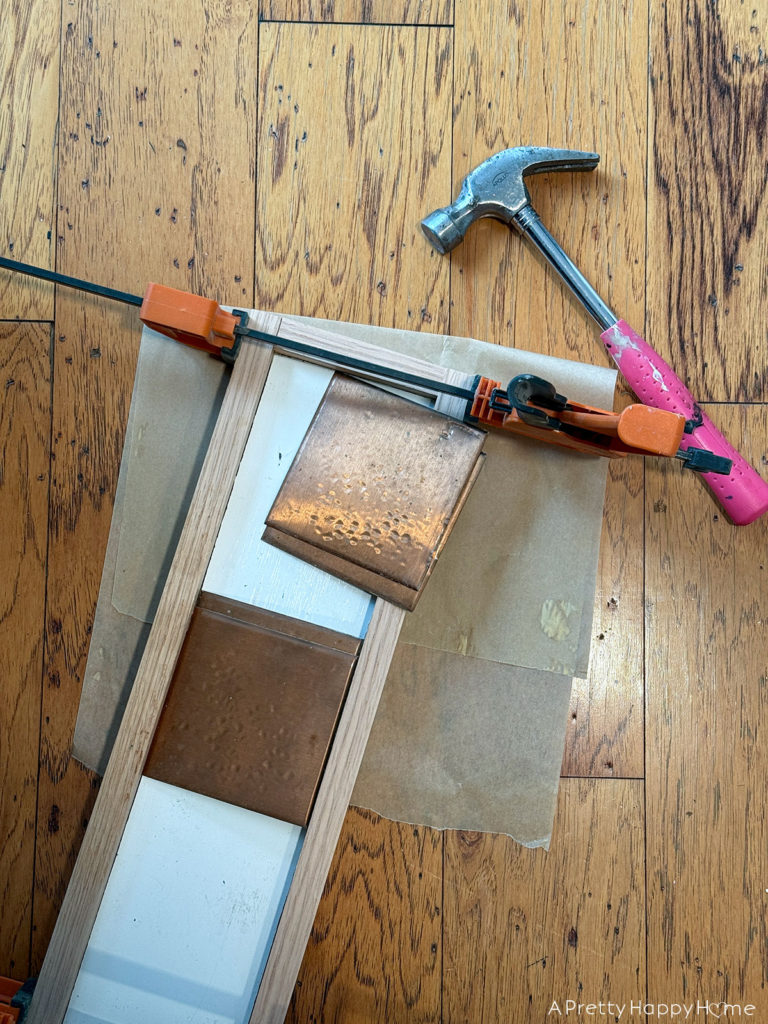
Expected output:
(374, 489)
(252, 708)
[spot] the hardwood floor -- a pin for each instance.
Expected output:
(282, 155)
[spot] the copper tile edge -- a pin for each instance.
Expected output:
(470, 483)
(350, 572)
(275, 622)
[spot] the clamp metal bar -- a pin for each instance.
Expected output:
(70, 282)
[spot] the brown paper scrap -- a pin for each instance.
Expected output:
(517, 578)
(183, 389)
(176, 397)
(466, 744)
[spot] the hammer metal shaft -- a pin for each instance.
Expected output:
(528, 223)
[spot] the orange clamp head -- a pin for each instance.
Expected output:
(651, 431)
(190, 319)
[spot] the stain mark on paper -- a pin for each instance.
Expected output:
(554, 619)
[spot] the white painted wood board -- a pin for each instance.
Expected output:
(243, 567)
(189, 913)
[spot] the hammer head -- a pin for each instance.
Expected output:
(496, 188)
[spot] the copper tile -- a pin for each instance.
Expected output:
(375, 488)
(252, 708)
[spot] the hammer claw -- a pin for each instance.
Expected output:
(496, 188)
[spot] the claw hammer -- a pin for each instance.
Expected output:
(496, 188)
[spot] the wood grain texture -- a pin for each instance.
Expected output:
(148, 180)
(524, 928)
(705, 581)
(389, 12)
(157, 149)
(185, 578)
(528, 74)
(708, 207)
(342, 187)
(25, 422)
(605, 724)
(335, 790)
(707, 763)
(339, 344)
(375, 952)
(93, 368)
(569, 75)
(29, 92)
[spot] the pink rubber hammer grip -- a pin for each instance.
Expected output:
(743, 494)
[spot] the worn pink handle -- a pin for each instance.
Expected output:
(743, 494)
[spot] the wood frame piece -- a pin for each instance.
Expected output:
(183, 585)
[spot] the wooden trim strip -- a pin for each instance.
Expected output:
(294, 330)
(185, 579)
(358, 575)
(327, 817)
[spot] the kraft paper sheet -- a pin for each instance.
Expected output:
(486, 659)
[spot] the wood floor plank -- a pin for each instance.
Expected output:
(529, 78)
(705, 579)
(157, 151)
(342, 186)
(387, 12)
(29, 93)
(156, 181)
(708, 204)
(524, 929)
(375, 949)
(25, 422)
(706, 713)
(94, 354)
(343, 181)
